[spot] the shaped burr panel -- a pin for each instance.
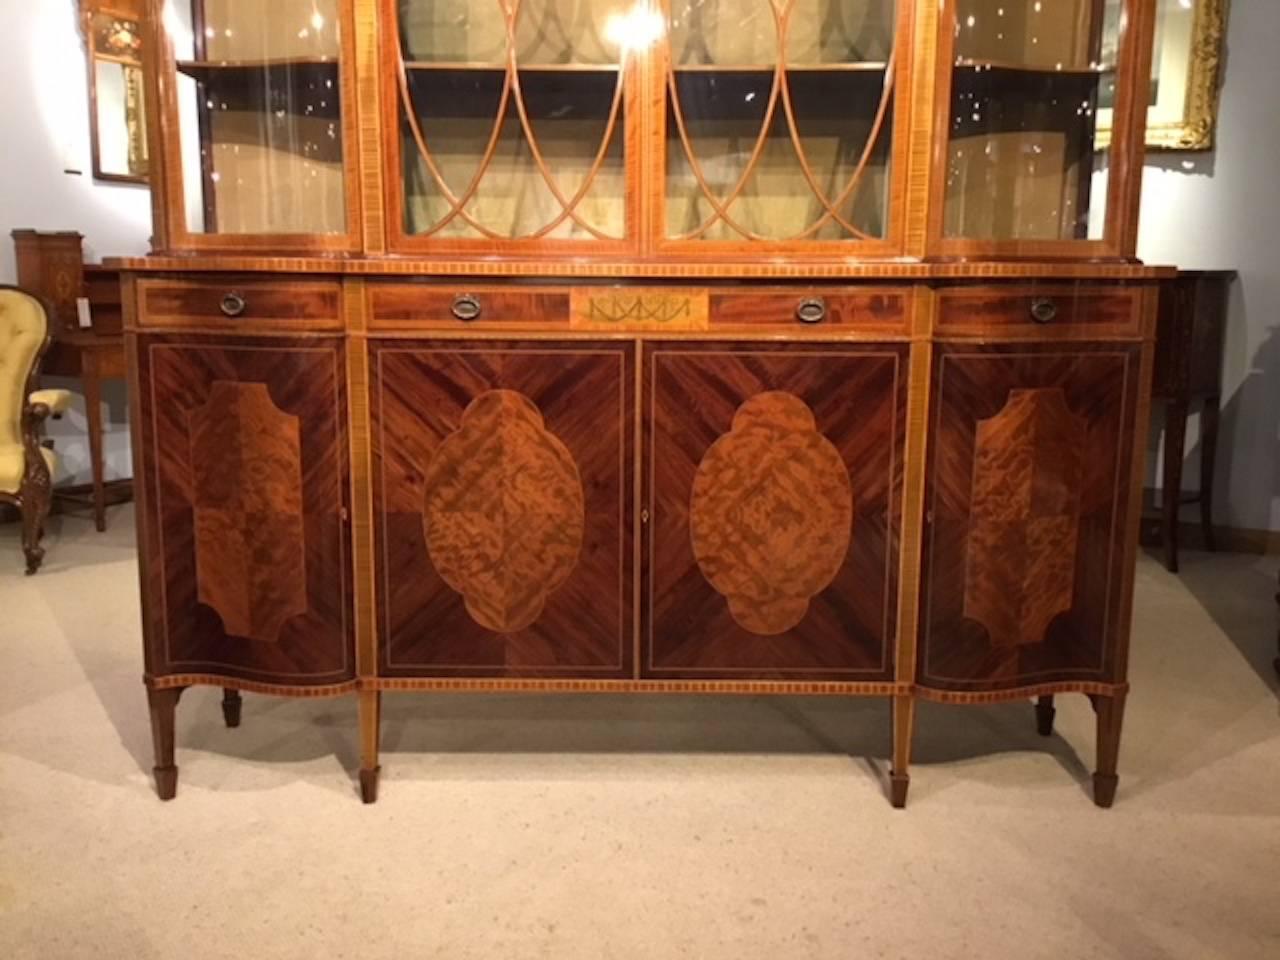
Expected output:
(245, 477)
(503, 477)
(773, 487)
(1027, 490)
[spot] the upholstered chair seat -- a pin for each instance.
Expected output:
(26, 467)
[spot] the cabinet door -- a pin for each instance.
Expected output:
(257, 105)
(773, 478)
(503, 477)
(516, 126)
(244, 467)
(1027, 515)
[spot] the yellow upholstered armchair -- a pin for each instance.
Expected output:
(26, 467)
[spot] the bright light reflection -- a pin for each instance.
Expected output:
(637, 29)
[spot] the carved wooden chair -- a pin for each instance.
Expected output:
(26, 467)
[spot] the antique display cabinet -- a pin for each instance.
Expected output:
(713, 346)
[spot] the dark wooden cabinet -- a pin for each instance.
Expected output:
(1027, 515)
(503, 486)
(773, 477)
(245, 508)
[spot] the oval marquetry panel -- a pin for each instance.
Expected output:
(247, 498)
(772, 513)
(1025, 514)
(504, 514)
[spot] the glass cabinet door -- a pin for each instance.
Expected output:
(780, 122)
(1029, 79)
(259, 104)
(514, 121)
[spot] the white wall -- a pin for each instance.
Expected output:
(44, 130)
(1222, 210)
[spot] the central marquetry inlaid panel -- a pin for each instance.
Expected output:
(246, 507)
(503, 477)
(772, 513)
(504, 513)
(1027, 489)
(773, 486)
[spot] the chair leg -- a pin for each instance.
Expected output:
(1208, 462)
(231, 704)
(1175, 437)
(164, 705)
(36, 499)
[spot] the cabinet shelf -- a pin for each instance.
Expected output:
(464, 66)
(861, 66)
(1023, 70)
(212, 70)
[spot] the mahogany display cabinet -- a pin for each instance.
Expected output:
(696, 346)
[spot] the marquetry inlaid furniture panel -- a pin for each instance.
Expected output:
(246, 507)
(773, 491)
(503, 479)
(704, 346)
(1026, 498)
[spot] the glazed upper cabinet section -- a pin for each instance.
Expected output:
(257, 154)
(725, 130)
(779, 119)
(1034, 93)
(516, 122)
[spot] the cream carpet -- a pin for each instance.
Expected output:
(600, 827)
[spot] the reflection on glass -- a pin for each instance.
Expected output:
(1029, 79)
(758, 153)
(260, 115)
(535, 153)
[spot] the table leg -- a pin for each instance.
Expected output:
(93, 414)
(1175, 438)
(1208, 462)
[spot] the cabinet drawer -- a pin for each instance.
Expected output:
(800, 310)
(233, 303)
(411, 306)
(1040, 312)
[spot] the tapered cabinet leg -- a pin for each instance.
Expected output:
(1208, 467)
(231, 706)
(164, 705)
(1110, 719)
(904, 719)
(1045, 712)
(370, 722)
(1175, 436)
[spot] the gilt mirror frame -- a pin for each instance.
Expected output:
(1185, 76)
(113, 34)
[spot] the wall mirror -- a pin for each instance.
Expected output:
(117, 113)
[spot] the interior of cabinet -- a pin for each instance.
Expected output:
(260, 115)
(1028, 81)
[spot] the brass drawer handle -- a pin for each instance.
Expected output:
(466, 307)
(811, 310)
(1044, 310)
(233, 304)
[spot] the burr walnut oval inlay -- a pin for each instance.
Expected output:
(772, 513)
(504, 513)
